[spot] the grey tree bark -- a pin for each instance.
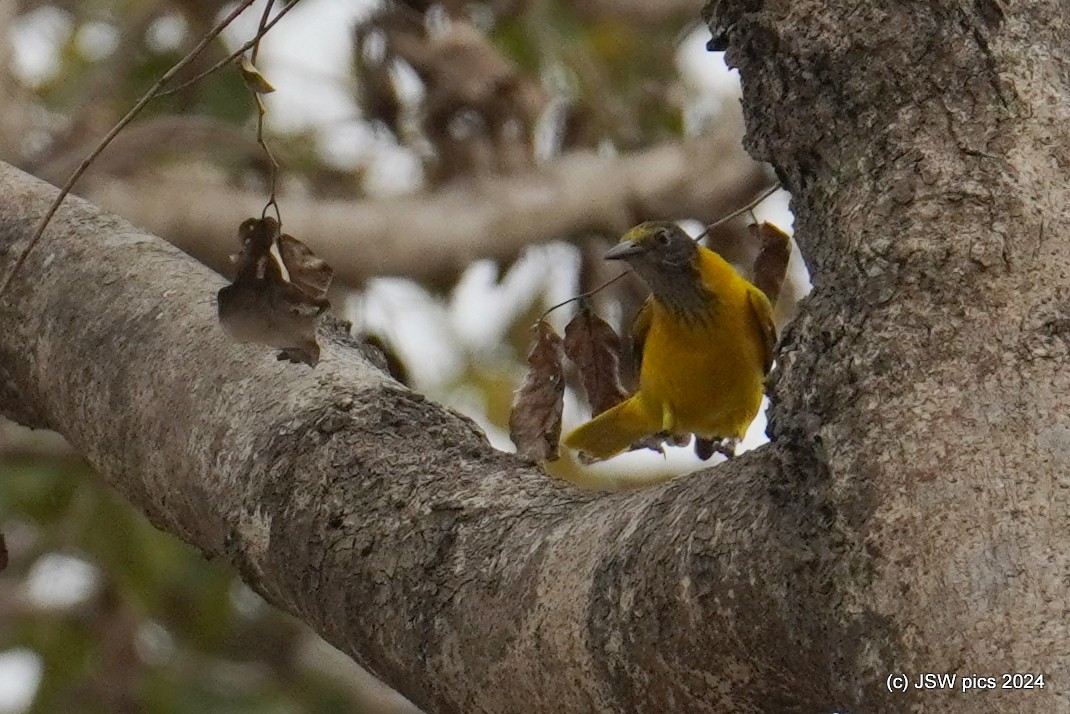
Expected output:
(910, 515)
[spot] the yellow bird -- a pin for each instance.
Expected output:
(706, 339)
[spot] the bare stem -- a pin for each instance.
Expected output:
(583, 296)
(235, 54)
(261, 29)
(130, 115)
(734, 214)
(261, 111)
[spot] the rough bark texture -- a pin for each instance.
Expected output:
(910, 517)
(926, 146)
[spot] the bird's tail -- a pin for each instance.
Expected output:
(614, 430)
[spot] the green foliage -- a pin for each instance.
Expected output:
(162, 632)
(221, 95)
(621, 73)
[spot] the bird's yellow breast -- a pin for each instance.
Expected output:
(706, 374)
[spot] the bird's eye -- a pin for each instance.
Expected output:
(662, 238)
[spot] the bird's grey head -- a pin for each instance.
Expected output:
(666, 259)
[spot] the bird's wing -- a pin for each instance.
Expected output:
(640, 328)
(761, 315)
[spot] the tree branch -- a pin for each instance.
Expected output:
(464, 577)
(432, 237)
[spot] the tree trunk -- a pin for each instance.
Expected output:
(925, 382)
(910, 516)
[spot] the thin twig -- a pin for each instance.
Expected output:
(261, 111)
(273, 173)
(233, 55)
(583, 296)
(734, 214)
(134, 111)
(260, 30)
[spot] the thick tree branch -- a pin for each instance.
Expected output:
(465, 578)
(434, 236)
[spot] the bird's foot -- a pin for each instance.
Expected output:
(705, 448)
(658, 442)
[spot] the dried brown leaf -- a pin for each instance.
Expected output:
(594, 348)
(734, 241)
(772, 262)
(253, 79)
(308, 271)
(254, 261)
(535, 420)
(261, 306)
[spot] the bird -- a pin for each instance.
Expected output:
(704, 340)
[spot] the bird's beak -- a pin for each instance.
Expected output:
(624, 250)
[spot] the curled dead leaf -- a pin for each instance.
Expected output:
(595, 349)
(252, 77)
(262, 306)
(772, 262)
(307, 271)
(535, 419)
